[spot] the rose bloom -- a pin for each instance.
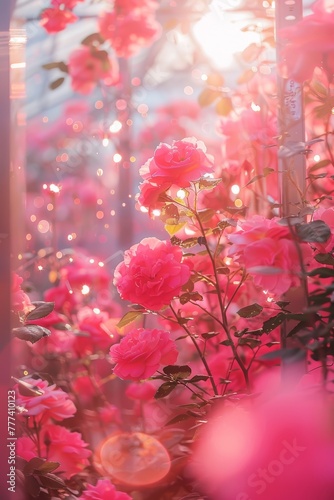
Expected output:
(96, 336)
(141, 352)
(68, 4)
(128, 32)
(103, 490)
(55, 20)
(152, 273)
(310, 43)
(180, 163)
(144, 391)
(269, 254)
(19, 300)
(52, 403)
(88, 66)
(128, 6)
(57, 444)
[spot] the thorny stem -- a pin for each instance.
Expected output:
(224, 309)
(207, 368)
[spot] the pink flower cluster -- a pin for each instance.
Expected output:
(269, 254)
(59, 15)
(152, 273)
(130, 26)
(141, 352)
(57, 444)
(50, 403)
(103, 490)
(88, 65)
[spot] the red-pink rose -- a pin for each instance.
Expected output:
(103, 490)
(58, 444)
(182, 162)
(88, 66)
(52, 403)
(55, 20)
(128, 32)
(141, 352)
(151, 274)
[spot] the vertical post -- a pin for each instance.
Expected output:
(290, 117)
(5, 247)
(292, 169)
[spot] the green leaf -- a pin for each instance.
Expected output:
(165, 389)
(186, 297)
(178, 418)
(31, 333)
(54, 85)
(206, 215)
(178, 372)
(252, 52)
(291, 354)
(252, 343)
(322, 272)
(325, 258)
(209, 335)
(250, 311)
(128, 318)
(208, 96)
(318, 165)
(26, 389)
(208, 183)
(41, 310)
(272, 323)
(198, 378)
(56, 65)
(315, 231)
(93, 39)
(224, 106)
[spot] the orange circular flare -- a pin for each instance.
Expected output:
(135, 459)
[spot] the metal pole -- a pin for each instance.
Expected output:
(292, 168)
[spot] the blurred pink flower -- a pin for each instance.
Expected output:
(96, 335)
(52, 403)
(269, 254)
(68, 4)
(152, 273)
(182, 162)
(54, 20)
(141, 352)
(282, 448)
(19, 300)
(143, 391)
(128, 6)
(88, 66)
(128, 32)
(103, 490)
(310, 43)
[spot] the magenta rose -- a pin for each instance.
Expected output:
(141, 352)
(152, 273)
(103, 490)
(182, 162)
(51, 403)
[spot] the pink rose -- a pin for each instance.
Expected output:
(152, 273)
(87, 66)
(144, 391)
(103, 490)
(180, 163)
(55, 20)
(141, 352)
(96, 336)
(20, 300)
(269, 254)
(128, 32)
(57, 444)
(52, 403)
